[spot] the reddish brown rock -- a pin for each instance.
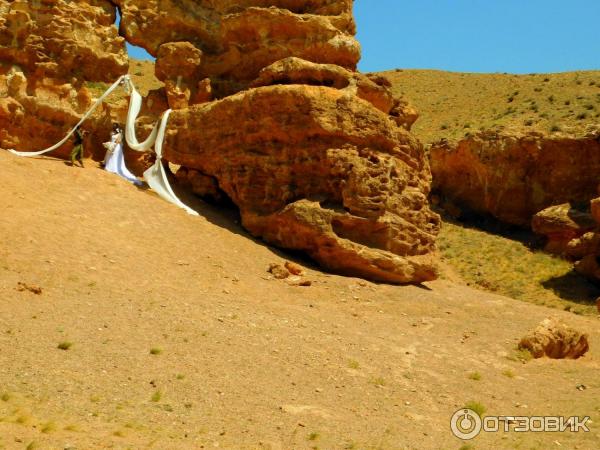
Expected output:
(278, 271)
(299, 71)
(178, 66)
(318, 170)
(294, 268)
(555, 340)
(48, 50)
(514, 177)
(240, 38)
(562, 224)
(574, 234)
(587, 244)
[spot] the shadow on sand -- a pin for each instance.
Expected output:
(573, 287)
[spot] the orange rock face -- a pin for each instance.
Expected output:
(574, 234)
(514, 177)
(48, 49)
(562, 224)
(239, 38)
(315, 169)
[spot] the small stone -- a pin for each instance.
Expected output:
(556, 340)
(294, 268)
(278, 271)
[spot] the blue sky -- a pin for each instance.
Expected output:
(516, 36)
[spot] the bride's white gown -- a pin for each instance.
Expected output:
(115, 162)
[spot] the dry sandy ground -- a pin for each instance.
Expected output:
(245, 361)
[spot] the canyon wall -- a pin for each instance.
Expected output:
(514, 176)
(48, 51)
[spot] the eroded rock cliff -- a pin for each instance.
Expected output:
(239, 38)
(48, 50)
(512, 177)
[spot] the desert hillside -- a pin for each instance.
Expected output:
(128, 324)
(324, 295)
(452, 105)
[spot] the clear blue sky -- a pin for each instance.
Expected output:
(517, 36)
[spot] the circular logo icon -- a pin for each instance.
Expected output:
(465, 424)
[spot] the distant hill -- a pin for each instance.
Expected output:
(454, 104)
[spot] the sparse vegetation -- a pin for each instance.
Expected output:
(156, 396)
(378, 381)
(64, 345)
(476, 407)
(508, 373)
(447, 101)
(548, 280)
(48, 427)
(521, 354)
(476, 376)
(353, 364)
(156, 351)
(313, 436)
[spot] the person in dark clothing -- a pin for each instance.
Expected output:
(77, 152)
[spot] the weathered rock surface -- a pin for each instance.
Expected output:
(48, 50)
(574, 234)
(317, 169)
(562, 224)
(555, 340)
(514, 177)
(239, 38)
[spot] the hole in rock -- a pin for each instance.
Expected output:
(133, 51)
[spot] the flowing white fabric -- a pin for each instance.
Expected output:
(155, 176)
(135, 105)
(115, 161)
(86, 115)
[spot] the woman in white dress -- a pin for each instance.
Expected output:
(114, 161)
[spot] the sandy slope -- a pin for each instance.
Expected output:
(247, 362)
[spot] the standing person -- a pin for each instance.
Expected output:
(114, 161)
(77, 152)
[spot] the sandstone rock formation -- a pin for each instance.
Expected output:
(555, 340)
(561, 225)
(316, 169)
(239, 38)
(574, 234)
(512, 177)
(48, 50)
(269, 112)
